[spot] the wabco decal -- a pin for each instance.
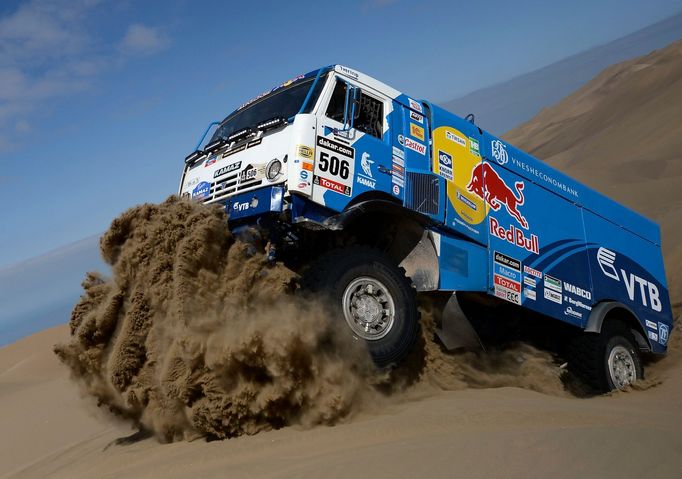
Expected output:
(514, 235)
(647, 290)
(227, 169)
(489, 186)
(415, 146)
(583, 293)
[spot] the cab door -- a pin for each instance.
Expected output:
(352, 161)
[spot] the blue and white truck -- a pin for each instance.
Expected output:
(373, 195)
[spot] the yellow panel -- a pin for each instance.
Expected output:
(452, 146)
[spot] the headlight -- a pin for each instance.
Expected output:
(273, 169)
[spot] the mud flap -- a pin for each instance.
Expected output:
(421, 265)
(456, 332)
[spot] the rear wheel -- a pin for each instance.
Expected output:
(606, 361)
(374, 298)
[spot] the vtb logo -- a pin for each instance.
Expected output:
(606, 259)
(489, 186)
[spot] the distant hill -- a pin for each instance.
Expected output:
(621, 133)
(503, 106)
(40, 292)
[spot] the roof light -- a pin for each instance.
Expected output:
(192, 157)
(214, 145)
(271, 123)
(238, 135)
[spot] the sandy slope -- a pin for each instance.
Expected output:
(48, 431)
(633, 110)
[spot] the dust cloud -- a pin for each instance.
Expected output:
(195, 334)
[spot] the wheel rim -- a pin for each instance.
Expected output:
(368, 308)
(622, 367)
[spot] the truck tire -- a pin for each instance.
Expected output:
(372, 295)
(606, 361)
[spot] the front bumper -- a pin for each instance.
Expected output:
(255, 203)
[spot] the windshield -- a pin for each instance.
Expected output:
(282, 102)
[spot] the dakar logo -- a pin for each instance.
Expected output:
(487, 184)
(499, 151)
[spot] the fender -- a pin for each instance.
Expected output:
(599, 312)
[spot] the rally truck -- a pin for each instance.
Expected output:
(374, 195)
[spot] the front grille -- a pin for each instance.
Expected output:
(422, 192)
(229, 186)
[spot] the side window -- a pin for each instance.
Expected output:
(370, 118)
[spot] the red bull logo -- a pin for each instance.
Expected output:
(514, 236)
(490, 187)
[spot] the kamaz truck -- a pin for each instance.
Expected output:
(373, 196)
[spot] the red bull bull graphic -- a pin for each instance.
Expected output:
(488, 185)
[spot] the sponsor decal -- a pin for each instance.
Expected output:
(416, 117)
(191, 182)
(304, 174)
(532, 272)
(583, 293)
(303, 185)
(663, 332)
(336, 147)
(487, 184)
(415, 105)
(307, 166)
(305, 152)
(553, 296)
(578, 303)
(553, 284)
(528, 281)
(466, 201)
(652, 335)
(396, 190)
(573, 313)
(445, 165)
(366, 179)
(637, 288)
(201, 191)
(227, 169)
(254, 143)
(651, 324)
(499, 152)
(544, 177)
(398, 160)
(514, 235)
(211, 160)
(415, 146)
(456, 138)
(349, 72)
(529, 293)
(417, 131)
(332, 185)
(473, 147)
(401, 139)
(398, 152)
(506, 277)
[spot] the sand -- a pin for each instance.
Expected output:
(50, 430)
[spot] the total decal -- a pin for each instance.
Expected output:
(638, 289)
(507, 277)
(335, 166)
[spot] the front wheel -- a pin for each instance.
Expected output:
(374, 298)
(606, 361)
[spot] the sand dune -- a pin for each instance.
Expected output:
(621, 133)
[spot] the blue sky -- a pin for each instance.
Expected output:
(100, 101)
